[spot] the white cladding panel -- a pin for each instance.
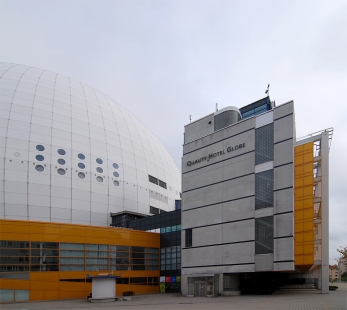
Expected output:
(70, 154)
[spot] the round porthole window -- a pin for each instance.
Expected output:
(99, 161)
(61, 171)
(100, 179)
(81, 165)
(115, 166)
(39, 168)
(99, 169)
(39, 157)
(40, 147)
(61, 152)
(81, 175)
(81, 156)
(115, 183)
(61, 161)
(116, 174)
(17, 154)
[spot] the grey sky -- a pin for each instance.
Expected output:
(166, 60)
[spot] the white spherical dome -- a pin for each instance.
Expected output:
(71, 154)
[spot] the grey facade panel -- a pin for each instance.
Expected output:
(202, 127)
(201, 272)
(284, 128)
(228, 169)
(238, 268)
(217, 193)
(284, 249)
(209, 235)
(238, 231)
(238, 209)
(283, 109)
(218, 152)
(227, 133)
(284, 266)
(206, 256)
(203, 216)
(238, 253)
(284, 152)
(283, 225)
(283, 176)
(264, 262)
(284, 200)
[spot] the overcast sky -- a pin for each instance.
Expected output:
(166, 60)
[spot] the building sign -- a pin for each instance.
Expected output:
(216, 154)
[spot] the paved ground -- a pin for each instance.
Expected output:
(293, 300)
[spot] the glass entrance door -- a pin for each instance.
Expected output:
(200, 289)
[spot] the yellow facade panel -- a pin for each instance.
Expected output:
(72, 286)
(37, 295)
(299, 237)
(45, 229)
(45, 285)
(303, 206)
(298, 192)
(12, 284)
(51, 295)
(308, 203)
(44, 276)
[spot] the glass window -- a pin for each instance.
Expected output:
(115, 183)
(81, 156)
(115, 166)
(61, 171)
(40, 147)
(97, 247)
(264, 235)
(99, 161)
(99, 169)
(61, 161)
(40, 157)
(81, 165)
(116, 174)
(81, 175)
(99, 179)
(152, 179)
(264, 144)
(39, 168)
(188, 237)
(162, 184)
(61, 152)
(76, 246)
(264, 186)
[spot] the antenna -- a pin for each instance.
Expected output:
(190, 118)
(268, 90)
(216, 106)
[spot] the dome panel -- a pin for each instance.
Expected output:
(53, 126)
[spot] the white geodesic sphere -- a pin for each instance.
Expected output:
(71, 154)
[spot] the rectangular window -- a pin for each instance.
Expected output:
(188, 238)
(152, 179)
(72, 256)
(162, 184)
(264, 187)
(264, 144)
(153, 210)
(264, 236)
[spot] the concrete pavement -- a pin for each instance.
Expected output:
(286, 300)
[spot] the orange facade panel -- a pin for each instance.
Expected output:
(304, 205)
(59, 284)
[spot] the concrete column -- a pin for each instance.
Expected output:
(325, 212)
